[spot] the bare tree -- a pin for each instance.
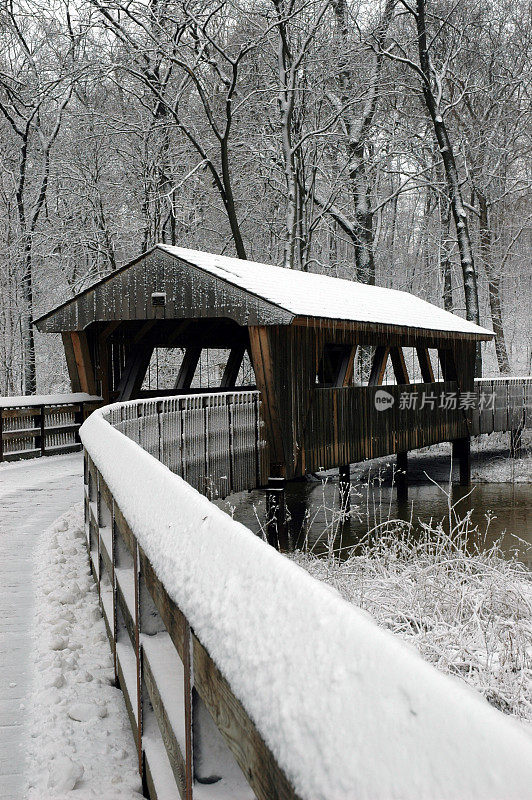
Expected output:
(431, 83)
(33, 99)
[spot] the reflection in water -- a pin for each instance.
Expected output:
(314, 506)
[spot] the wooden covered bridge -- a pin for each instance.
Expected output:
(317, 348)
(241, 674)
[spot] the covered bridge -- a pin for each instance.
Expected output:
(346, 371)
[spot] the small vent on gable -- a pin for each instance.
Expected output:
(158, 298)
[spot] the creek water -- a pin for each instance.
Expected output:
(498, 511)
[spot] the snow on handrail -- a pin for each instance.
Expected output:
(27, 401)
(345, 709)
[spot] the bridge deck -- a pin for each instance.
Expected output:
(32, 495)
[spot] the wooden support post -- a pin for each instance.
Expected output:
(134, 372)
(262, 365)
(344, 487)
(462, 454)
(378, 367)
(83, 361)
(401, 476)
(399, 365)
(276, 522)
(188, 367)
(1, 436)
(448, 364)
(233, 366)
(423, 356)
(348, 374)
(72, 366)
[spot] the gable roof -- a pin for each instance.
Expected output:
(310, 295)
(204, 284)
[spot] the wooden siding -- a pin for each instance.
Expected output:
(344, 425)
(293, 355)
(190, 293)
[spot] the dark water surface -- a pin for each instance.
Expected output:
(313, 507)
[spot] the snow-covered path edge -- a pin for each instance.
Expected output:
(80, 742)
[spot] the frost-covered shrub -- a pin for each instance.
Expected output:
(466, 607)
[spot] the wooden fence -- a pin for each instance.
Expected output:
(48, 425)
(194, 738)
(213, 441)
(502, 404)
(347, 425)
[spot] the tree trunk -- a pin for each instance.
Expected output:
(363, 217)
(26, 327)
(229, 200)
(452, 180)
(494, 286)
(445, 243)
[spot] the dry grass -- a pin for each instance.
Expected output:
(465, 606)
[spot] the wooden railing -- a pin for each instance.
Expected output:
(503, 404)
(228, 653)
(180, 707)
(39, 426)
(347, 425)
(214, 441)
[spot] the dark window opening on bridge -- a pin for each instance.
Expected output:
(171, 369)
(349, 365)
(334, 365)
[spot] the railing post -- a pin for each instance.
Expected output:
(401, 476)
(1, 436)
(462, 454)
(40, 443)
(187, 689)
(78, 419)
(276, 522)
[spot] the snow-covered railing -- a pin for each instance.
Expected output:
(41, 425)
(502, 404)
(213, 441)
(245, 677)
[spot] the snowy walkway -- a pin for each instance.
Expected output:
(32, 495)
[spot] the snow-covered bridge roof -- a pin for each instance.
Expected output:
(199, 284)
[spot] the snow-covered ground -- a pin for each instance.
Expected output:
(32, 495)
(80, 743)
(61, 722)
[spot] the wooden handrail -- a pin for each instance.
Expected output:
(150, 638)
(180, 706)
(31, 429)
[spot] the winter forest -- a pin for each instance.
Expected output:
(386, 142)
